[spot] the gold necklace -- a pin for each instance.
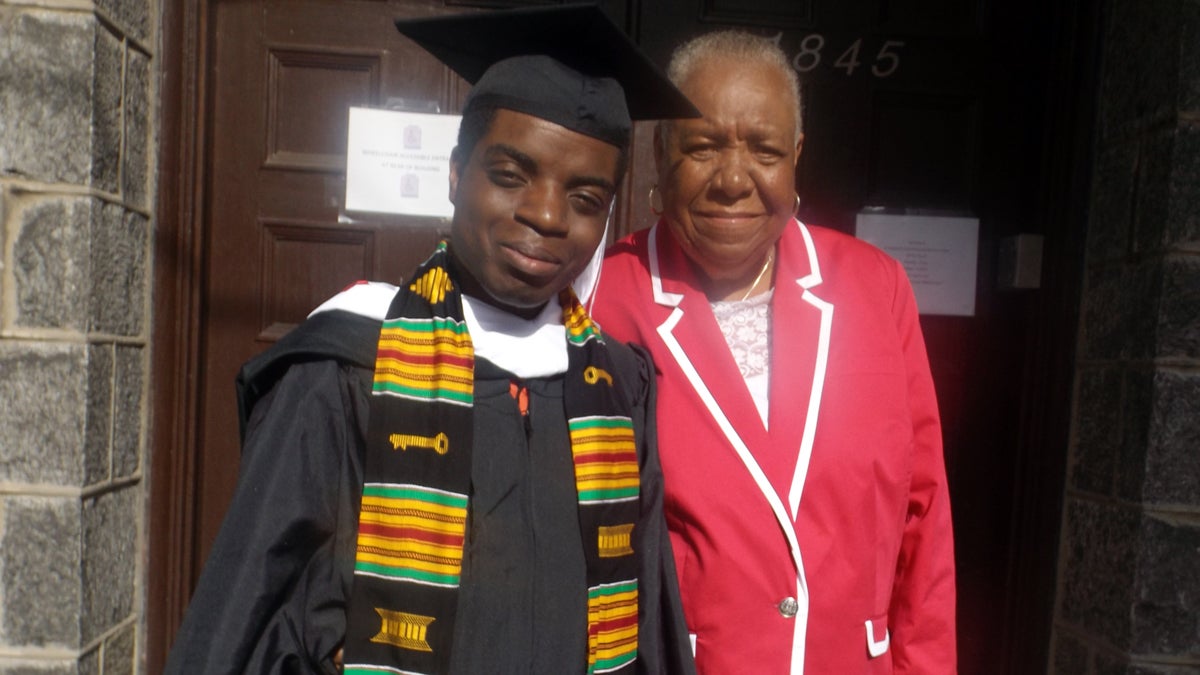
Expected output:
(770, 257)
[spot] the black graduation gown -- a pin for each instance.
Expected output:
(271, 598)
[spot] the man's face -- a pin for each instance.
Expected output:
(530, 204)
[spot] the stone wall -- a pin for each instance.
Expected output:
(76, 117)
(1129, 568)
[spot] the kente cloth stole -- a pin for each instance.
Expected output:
(413, 521)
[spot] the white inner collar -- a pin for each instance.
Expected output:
(527, 348)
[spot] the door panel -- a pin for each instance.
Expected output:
(284, 74)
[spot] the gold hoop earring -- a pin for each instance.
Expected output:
(653, 189)
(796, 208)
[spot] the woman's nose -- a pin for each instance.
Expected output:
(732, 177)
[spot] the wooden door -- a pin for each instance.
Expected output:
(932, 106)
(279, 241)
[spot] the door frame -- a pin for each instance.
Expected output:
(179, 254)
(179, 260)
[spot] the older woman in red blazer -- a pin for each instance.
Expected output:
(805, 487)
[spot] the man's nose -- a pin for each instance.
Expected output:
(543, 207)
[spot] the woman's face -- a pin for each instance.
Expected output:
(728, 180)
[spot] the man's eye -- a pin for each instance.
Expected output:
(505, 178)
(700, 151)
(587, 203)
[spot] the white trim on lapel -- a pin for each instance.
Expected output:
(818, 382)
(665, 331)
(661, 297)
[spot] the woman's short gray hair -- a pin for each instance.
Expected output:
(738, 45)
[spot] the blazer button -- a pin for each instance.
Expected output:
(788, 607)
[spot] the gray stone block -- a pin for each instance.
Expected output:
(1120, 311)
(44, 390)
(1108, 664)
(106, 111)
(1172, 470)
(1092, 465)
(119, 655)
(1135, 413)
(1166, 610)
(1105, 306)
(1070, 656)
(129, 419)
(1183, 217)
(51, 264)
(1189, 46)
(134, 166)
(89, 663)
(118, 271)
(1153, 205)
(1141, 64)
(46, 66)
(1100, 551)
(1179, 310)
(39, 572)
(98, 432)
(131, 15)
(1112, 203)
(1168, 205)
(110, 525)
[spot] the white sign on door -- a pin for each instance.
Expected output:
(399, 162)
(938, 253)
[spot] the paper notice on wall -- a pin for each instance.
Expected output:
(399, 162)
(938, 253)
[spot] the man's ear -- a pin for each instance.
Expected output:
(455, 165)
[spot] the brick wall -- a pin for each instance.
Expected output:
(1129, 570)
(76, 117)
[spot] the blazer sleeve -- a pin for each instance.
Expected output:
(663, 644)
(271, 597)
(922, 614)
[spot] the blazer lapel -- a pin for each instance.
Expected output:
(800, 350)
(701, 344)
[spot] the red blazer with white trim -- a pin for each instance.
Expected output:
(823, 543)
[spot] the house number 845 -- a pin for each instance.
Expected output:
(886, 62)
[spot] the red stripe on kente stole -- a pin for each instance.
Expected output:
(426, 359)
(616, 624)
(402, 374)
(608, 456)
(399, 558)
(611, 474)
(411, 533)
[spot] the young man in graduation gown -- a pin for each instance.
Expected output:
(460, 475)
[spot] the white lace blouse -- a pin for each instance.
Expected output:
(746, 325)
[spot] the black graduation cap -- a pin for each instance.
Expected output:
(569, 64)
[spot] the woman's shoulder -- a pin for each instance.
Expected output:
(843, 250)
